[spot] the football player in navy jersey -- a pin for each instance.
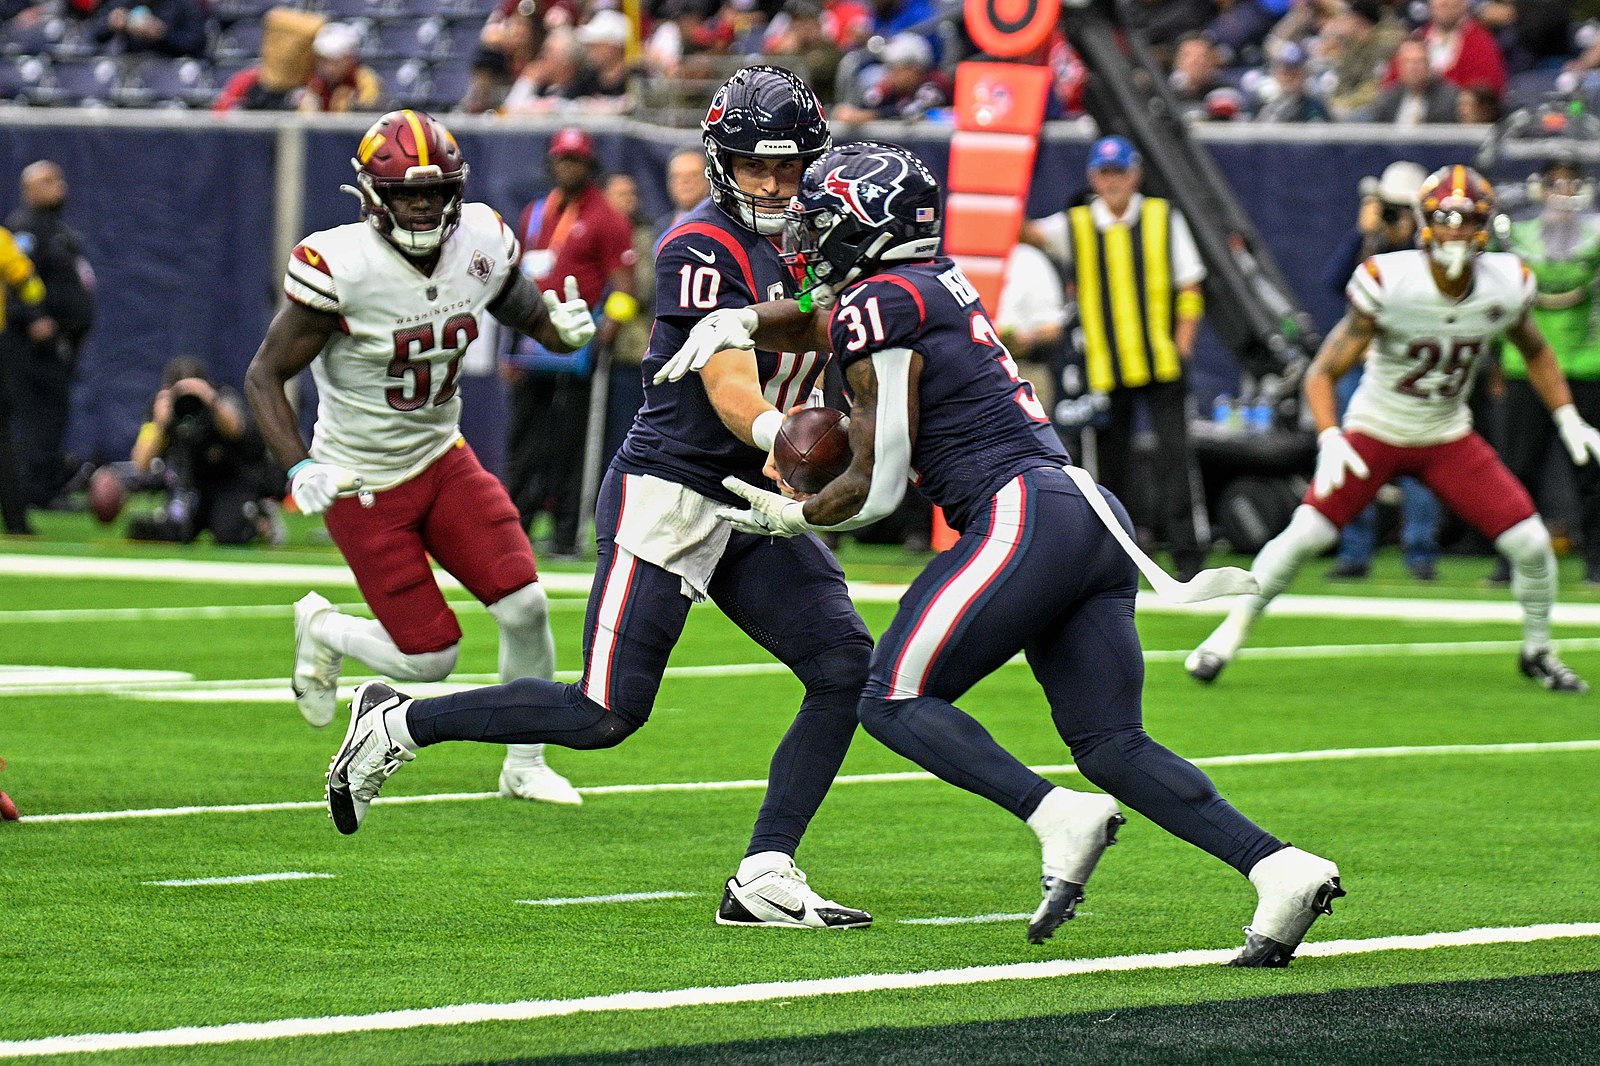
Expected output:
(1043, 565)
(661, 546)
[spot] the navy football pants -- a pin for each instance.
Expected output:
(789, 595)
(1036, 572)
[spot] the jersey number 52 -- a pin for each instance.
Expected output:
(416, 374)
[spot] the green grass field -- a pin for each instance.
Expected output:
(1437, 830)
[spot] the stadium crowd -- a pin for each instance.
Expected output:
(1396, 61)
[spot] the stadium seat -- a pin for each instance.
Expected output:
(376, 10)
(159, 82)
(394, 40)
(41, 38)
(230, 11)
(408, 80)
(465, 9)
(22, 78)
(86, 82)
(450, 80)
(242, 38)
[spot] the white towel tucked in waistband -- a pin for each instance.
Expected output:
(673, 527)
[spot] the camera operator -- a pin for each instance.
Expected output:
(216, 471)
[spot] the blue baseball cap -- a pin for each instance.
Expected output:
(1113, 152)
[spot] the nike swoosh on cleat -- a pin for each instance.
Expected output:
(798, 914)
(704, 257)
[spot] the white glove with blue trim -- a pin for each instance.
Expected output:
(771, 514)
(724, 328)
(315, 485)
(570, 317)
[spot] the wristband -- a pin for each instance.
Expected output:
(1191, 304)
(296, 468)
(621, 307)
(764, 430)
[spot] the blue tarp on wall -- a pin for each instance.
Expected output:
(179, 226)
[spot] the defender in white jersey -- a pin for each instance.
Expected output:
(1424, 320)
(389, 304)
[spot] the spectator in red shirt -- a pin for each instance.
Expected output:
(572, 232)
(1460, 50)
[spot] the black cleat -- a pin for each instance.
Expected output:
(1061, 899)
(1555, 675)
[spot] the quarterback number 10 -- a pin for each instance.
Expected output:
(416, 374)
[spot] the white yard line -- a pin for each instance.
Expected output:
(242, 879)
(716, 995)
(1248, 759)
(972, 919)
(621, 897)
(205, 613)
(179, 687)
(305, 574)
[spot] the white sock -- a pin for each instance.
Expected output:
(394, 720)
(366, 641)
(1526, 546)
(761, 862)
(1308, 534)
(527, 649)
(525, 757)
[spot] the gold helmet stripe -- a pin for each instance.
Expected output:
(369, 146)
(421, 137)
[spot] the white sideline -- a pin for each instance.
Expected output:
(179, 687)
(1248, 759)
(242, 879)
(620, 897)
(302, 574)
(529, 1009)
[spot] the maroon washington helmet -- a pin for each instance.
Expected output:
(409, 150)
(1457, 190)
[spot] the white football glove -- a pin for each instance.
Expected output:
(724, 328)
(1582, 439)
(315, 485)
(1335, 458)
(570, 317)
(770, 514)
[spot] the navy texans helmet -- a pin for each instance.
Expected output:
(761, 112)
(860, 206)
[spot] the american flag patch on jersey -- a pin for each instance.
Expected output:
(924, 214)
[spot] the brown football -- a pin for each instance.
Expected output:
(106, 494)
(812, 448)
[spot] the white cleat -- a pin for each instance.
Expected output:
(368, 757)
(538, 783)
(1294, 887)
(1082, 825)
(1204, 664)
(782, 898)
(315, 681)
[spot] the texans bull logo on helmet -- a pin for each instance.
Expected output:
(869, 196)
